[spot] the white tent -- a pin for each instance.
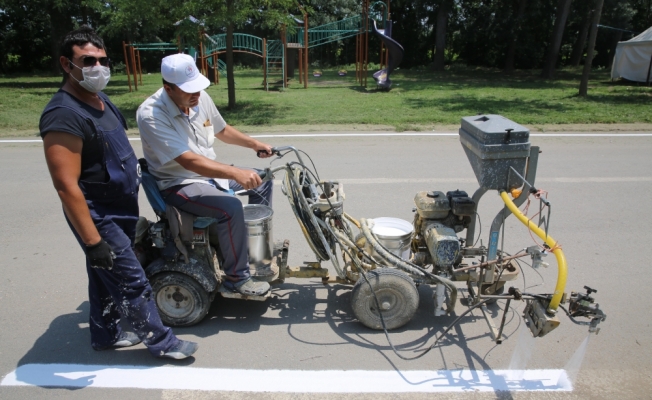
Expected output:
(633, 57)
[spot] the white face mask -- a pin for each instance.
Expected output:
(95, 78)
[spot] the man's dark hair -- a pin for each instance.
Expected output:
(172, 85)
(79, 37)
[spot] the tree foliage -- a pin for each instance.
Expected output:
(488, 33)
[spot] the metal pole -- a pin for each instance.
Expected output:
(132, 55)
(357, 57)
(388, 20)
(215, 69)
(305, 51)
(265, 63)
(124, 49)
(201, 55)
(300, 57)
(285, 54)
(366, 46)
(140, 70)
(217, 64)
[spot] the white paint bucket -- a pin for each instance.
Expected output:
(394, 234)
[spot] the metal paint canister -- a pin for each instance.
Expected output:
(394, 234)
(258, 219)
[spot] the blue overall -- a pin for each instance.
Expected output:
(123, 291)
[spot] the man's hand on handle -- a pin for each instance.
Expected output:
(263, 150)
(247, 178)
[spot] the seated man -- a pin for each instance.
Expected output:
(178, 125)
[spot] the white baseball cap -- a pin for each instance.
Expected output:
(181, 70)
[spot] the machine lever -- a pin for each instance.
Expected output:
(508, 138)
(589, 290)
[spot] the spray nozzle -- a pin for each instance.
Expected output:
(583, 305)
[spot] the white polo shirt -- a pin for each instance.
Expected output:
(166, 133)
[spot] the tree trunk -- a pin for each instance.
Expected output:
(85, 19)
(580, 42)
(612, 49)
(229, 58)
(563, 6)
(440, 35)
(516, 29)
(57, 30)
(593, 33)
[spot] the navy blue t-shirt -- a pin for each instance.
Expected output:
(65, 120)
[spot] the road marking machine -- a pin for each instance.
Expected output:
(384, 259)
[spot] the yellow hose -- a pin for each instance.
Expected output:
(559, 254)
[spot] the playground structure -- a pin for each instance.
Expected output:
(274, 53)
(132, 58)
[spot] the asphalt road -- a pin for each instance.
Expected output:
(598, 187)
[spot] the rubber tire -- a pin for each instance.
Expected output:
(196, 298)
(390, 285)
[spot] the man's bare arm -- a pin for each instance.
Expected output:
(212, 169)
(230, 135)
(63, 156)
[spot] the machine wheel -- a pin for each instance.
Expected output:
(397, 295)
(181, 301)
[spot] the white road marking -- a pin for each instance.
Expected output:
(286, 381)
(376, 134)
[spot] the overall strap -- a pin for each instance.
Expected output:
(113, 108)
(74, 107)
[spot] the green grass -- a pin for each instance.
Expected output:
(418, 99)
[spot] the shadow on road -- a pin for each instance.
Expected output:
(67, 340)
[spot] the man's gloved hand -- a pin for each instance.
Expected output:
(100, 255)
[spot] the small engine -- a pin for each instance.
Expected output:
(438, 219)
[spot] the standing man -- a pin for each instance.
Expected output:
(96, 174)
(178, 125)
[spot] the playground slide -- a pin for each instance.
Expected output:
(395, 57)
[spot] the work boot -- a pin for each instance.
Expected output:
(182, 350)
(250, 287)
(126, 339)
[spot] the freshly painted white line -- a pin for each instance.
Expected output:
(287, 381)
(372, 134)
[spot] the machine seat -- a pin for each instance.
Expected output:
(156, 199)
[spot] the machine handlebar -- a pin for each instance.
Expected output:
(260, 153)
(266, 175)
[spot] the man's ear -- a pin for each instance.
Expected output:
(66, 64)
